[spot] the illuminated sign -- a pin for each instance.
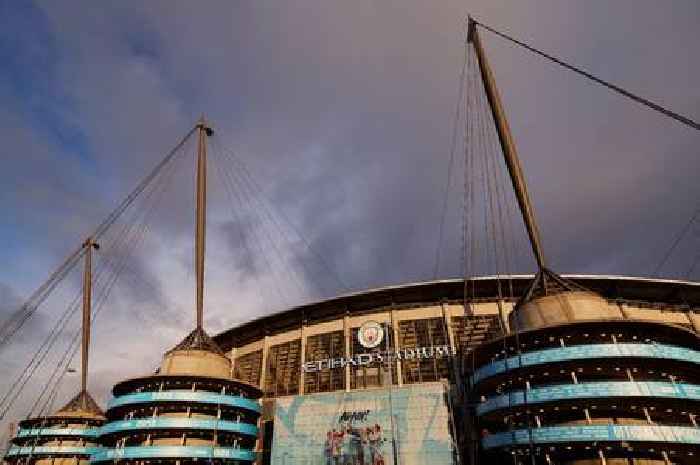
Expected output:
(409, 353)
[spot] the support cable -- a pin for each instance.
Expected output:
(17, 320)
(38, 358)
(470, 240)
(255, 185)
(681, 234)
(258, 195)
(233, 199)
(114, 261)
(264, 213)
(262, 218)
(245, 200)
(125, 240)
(689, 273)
(102, 228)
(654, 106)
(453, 148)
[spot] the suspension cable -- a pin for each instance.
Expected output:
(18, 318)
(654, 106)
(272, 253)
(681, 234)
(233, 199)
(259, 196)
(453, 147)
(117, 247)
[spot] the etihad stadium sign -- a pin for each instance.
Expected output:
(409, 353)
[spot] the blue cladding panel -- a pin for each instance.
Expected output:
(160, 452)
(591, 391)
(584, 352)
(83, 433)
(51, 450)
(590, 433)
(185, 396)
(179, 423)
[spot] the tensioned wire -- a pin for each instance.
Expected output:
(17, 319)
(257, 188)
(615, 88)
(236, 203)
(73, 348)
(113, 260)
(274, 221)
(265, 222)
(270, 254)
(676, 241)
(123, 238)
(453, 150)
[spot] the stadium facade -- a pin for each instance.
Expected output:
(614, 378)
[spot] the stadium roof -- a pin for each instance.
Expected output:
(664, 292)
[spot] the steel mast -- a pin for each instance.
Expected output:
(204, 131)
(88, 245)
(505, 138)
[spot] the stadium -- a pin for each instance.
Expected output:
(316, 371)
(513, 369)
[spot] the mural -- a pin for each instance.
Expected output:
(398, 426)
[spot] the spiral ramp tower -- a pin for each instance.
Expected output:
(588, 391)
(67, 437)
(577, 382)
(190, 410)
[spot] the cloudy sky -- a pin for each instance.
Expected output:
(342, 113)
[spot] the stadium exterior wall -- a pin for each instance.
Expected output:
(313, 350)
(270, 352)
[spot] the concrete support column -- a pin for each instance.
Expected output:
(623, 311)
(263, 370)
(346, 337)
(232, 355)
(395, 331)
(503, 316)
(302, 355)
(448, 326)
(450, 336)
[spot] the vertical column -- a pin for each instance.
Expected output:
(302, 355)
(623, 312)
(263, 370)
(503, 316)
(233, 361)
(346, 338)
(395, 331)
(446, 318)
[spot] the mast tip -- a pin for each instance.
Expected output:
(203, 125)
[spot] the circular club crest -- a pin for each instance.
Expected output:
(370, 334)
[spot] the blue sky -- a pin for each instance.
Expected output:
(342, 111)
